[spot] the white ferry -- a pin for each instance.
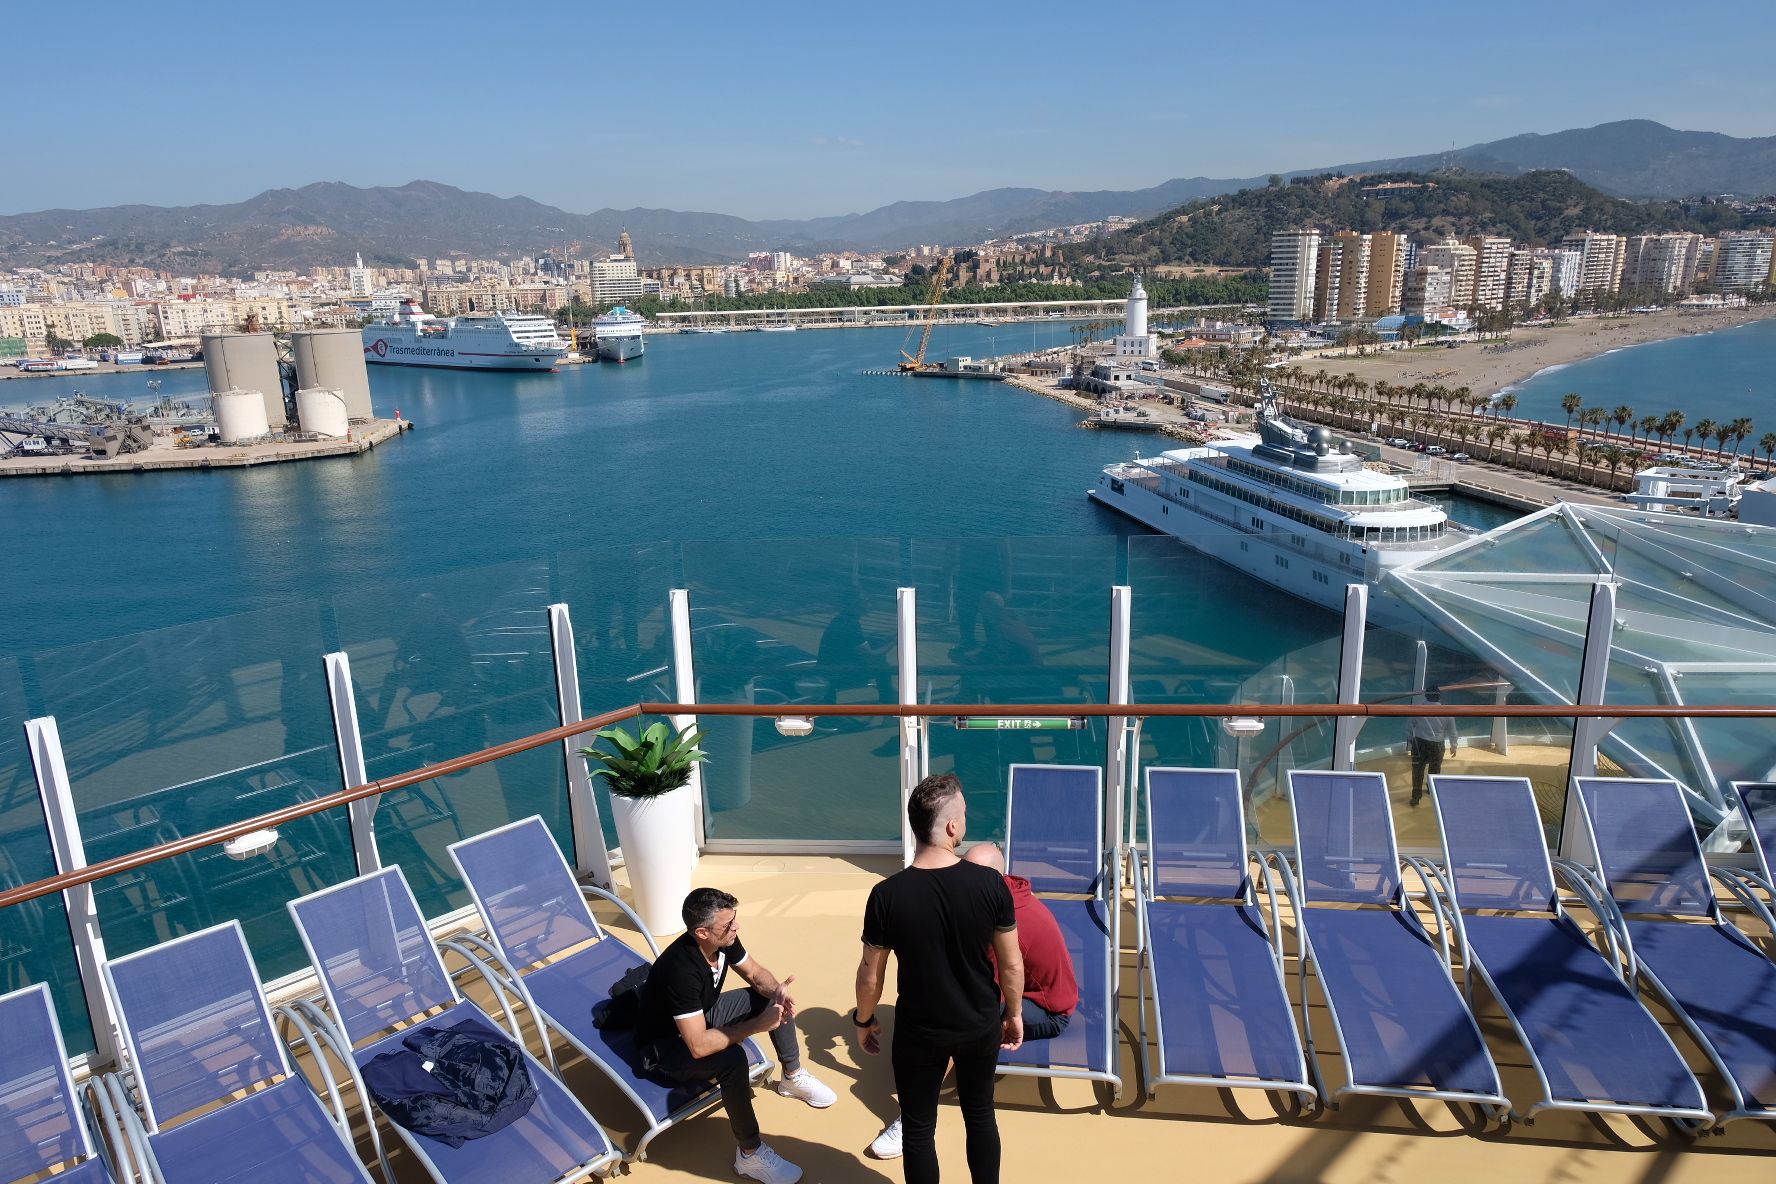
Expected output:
(1287, 506)
(478, 341)
(619, 334)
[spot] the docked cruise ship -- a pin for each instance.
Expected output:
(619, 334)
(478, 341)
(1288, 506)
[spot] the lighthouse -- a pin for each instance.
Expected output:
(1135, 341)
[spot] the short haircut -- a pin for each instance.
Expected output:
(1432, 696)
(701, 906)
(926, 805)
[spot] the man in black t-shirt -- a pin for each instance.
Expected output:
(940, 917)
(696, 1032)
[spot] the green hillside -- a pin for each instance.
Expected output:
(1537, 208)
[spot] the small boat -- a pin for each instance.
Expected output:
(776, 328)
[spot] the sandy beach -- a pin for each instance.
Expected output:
(1488, 366)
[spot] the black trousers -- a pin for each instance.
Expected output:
(728, 1068)
(919, 1070)
(1426, 754)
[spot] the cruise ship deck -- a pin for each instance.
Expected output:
(379, 727)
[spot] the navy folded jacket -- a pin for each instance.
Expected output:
(452, 1084)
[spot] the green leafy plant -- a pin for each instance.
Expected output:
(656, 763)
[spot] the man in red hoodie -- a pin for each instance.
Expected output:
(1051, 992)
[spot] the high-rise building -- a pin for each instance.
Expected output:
(1601, 257)
(1743, 260)
(1294, 264)
(615, 280)
(1341, 280)
(1387, 273)
(1457, 258)
(361, 278)
(1428, 288)
(1492, 266)
(1659, 263)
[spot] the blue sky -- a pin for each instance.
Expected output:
(804, 109)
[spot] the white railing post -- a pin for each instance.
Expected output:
(1119, 761)
(1600, 631)
(352, 769)
(591, 857)
(1350, 676)
(57, 795)
(684, 688)
(912, 731)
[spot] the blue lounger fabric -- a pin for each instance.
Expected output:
(1222, 1009)
(278, 1134)
(1729, 991)
(1085, 1043)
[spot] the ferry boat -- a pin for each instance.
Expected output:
(477, 341)
(1288, 506)
(619, 334)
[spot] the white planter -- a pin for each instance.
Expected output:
(658, 836)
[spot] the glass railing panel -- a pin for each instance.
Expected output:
(1010, 621)
(172, 733)
(443, 667)
(617, 597)
(782, 623)
(35, 946)
(1204, 632)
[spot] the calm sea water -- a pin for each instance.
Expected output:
(738, 436)
(1712, 375)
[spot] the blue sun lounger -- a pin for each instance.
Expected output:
(562, 963)
(1719, 985)
(42, 1123)
(1054, 838)
(198, 1031)
(1397, 1013)
(379, 969)
(1221, 1014)
(1592, 1044)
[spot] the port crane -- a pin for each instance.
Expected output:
(914, 363)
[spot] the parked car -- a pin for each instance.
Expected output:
(1398, 442)
(1461, 456)
(1436, 450)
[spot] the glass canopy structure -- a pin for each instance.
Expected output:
(1694, 622)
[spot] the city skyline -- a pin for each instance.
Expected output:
(816, 111)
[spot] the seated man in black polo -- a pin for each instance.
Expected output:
(697, 1031)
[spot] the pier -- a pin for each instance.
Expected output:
(165, 455)
(853, 316)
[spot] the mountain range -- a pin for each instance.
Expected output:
(329, 222)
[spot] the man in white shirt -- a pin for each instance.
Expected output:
(1427, 735)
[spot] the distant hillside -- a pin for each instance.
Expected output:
(1536, 208)
(327, 223)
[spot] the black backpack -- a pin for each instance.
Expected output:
(623, 1008)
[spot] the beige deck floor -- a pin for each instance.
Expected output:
(800, 915)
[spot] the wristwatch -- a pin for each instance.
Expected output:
(862, 1023)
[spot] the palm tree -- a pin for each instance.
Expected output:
(1669, 423)
(1687, 433)
(1705, 428)
(1508, 403)
(1570, 403)
(1593, 418)
(1518, 440)
(1739, 429)
(1622, 416)
(1768, 444)
(1648, 425)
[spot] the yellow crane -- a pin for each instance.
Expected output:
(916, 362)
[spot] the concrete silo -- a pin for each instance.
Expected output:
(240, 415)
(246, 362)
(333, 359)
(322, 412)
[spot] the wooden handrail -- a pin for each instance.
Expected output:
(343, 797)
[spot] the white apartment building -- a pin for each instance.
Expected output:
(1492, 268)
(1743, 260)
(1387, 273)
(1428, 288)
(1601, 258)
(1294, 267)
(75, 322)
(361, 279)
(192, 318)
(615, 280)
(1458, 259)
(1660, 263)
(1530, 276)
(1341, 285)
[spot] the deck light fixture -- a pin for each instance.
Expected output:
(1242, 725)
(794, 725)
(258, 842)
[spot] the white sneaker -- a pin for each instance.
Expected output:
(804, 1085)
(887, 1144)
(766, 1166)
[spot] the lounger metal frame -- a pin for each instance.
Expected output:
(1496, 1102)
(1753, 888)
(327, 1025)
(1620, 959)
(91, 1106)
(1272, 870)
(120, 1099)
(1600, 883)
(1112, 906)
(495, 961)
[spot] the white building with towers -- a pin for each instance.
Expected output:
(363, 280)
(1135, 341)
